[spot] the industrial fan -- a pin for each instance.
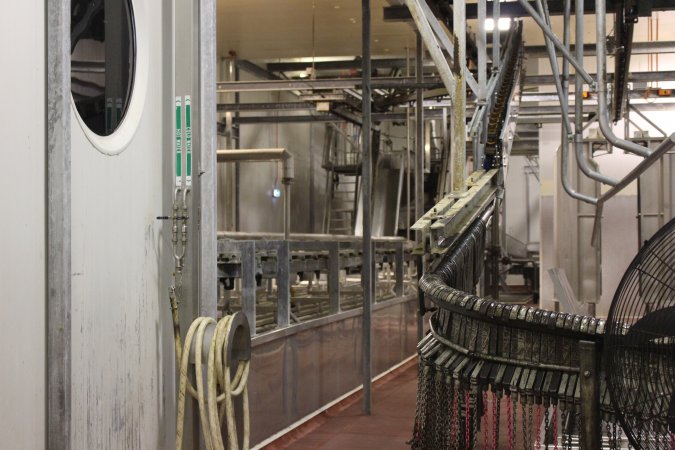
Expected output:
(640, 345)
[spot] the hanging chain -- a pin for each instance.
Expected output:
(608, 431)
(496, 433)
(537, 429)
(564, 418)
(526, 437)
(495, 421)
(467, 420)
(546, 428)
(509, 421)
(577, 416)
(476, 421)
(555, 427)
(485, 421)
(455, 418)
(514, 412)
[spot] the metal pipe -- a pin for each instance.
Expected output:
(554, 39)
(661, 150)
(407, 152)
(419, 174)
(261, 154)
(482, 51)
(366, 174)
(563, 97)
(458, 118)
(646, 119)
(603, 113)
(419, 133)
(564, 105)
(287, 211)
(267, 154)
(495, 37)
(582, 161)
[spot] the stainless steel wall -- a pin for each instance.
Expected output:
(297, 370)
(258, 210)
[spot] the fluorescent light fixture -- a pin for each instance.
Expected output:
(503, 24)
(276, 193)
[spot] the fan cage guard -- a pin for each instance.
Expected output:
(640, 345)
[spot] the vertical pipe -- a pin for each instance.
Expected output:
(419, 132)
(283, 285)
(579, 101)
(248, 285)
(482, 79)
(419, 173)
(458, 118)
(334, 276)
(482, 50)
(287, 211)
(367, 265)
(407, 152)
(563, 99)
(495, 36)
(603, 114)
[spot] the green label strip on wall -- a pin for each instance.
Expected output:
(188, 141)
(118, 112)
(108, 115)
(179, 135)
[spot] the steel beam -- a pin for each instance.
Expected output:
(58, 299)
(458, 116)
(514, 10)
(366, 186)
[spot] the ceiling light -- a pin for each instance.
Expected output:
(503, 24)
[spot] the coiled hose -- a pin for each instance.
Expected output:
(216, 400)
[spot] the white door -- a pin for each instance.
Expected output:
(122, 363)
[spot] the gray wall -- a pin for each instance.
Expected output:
(23, 226)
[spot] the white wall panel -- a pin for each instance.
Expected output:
(22, 225)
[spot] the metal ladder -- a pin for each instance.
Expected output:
(342, 162)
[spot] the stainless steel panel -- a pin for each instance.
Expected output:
(299, 373)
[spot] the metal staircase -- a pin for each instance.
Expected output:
(342, 162)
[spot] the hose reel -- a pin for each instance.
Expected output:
(225, 348)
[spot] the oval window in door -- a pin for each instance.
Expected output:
(103, 53)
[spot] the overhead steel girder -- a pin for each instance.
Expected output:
(513, 9)
(401, 82)
(639, 48)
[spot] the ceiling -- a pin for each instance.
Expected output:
(265, 30)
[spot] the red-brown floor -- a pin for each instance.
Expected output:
(347, 427)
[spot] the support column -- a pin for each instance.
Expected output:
(589, 376)
(366, 185)
(419, 173)
(458, 118)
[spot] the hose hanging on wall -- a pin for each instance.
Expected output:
(230, 344)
